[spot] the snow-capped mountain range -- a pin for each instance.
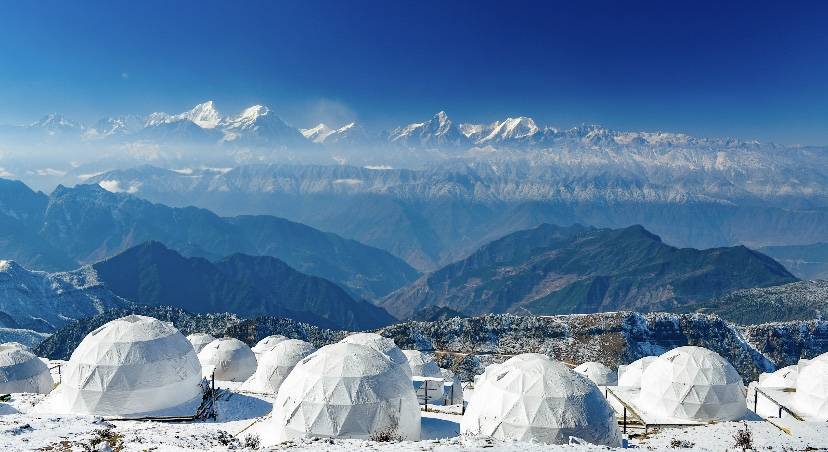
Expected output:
(259, 125)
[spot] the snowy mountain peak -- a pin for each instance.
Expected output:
(246, 119)
(511, 128)
(7, 266)
(54, 121)
(317, 134)
(204, 115)
(346, 127)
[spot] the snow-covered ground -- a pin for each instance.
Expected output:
(243, 419)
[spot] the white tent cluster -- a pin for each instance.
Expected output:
(532, 398)
(598, 373)
(345, 391)
(275, 365)
(22, 371)
(692, 383)
(267, 344)
(228, 359)
(131, 367)
(200, 340)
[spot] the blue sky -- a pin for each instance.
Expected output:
(746, 69)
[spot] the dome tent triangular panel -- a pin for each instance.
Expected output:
(22, 371)
(130, 367)
(267, 344)
(344, 391)
(275, 365)
(229, 359)
(537, 399)
(693, 383)
(598, 373)
(383, 345)
(200, 340)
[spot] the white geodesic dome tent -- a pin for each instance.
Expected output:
(540, 400)
(130, 367)
(811, 396)
(629, 376)
(383, 345)
(229, 359)
(693, 383)
(267, 344)
(344, 391)
(275, 365)
(22, 371)
(598, 373)
(200, 340)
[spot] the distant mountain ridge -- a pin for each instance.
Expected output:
(153, 275)
(85, 224)
(436, 215)
(577, 269)
(249, 286)
(258, 125)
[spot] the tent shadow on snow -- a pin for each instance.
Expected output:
(435, 428)
(239, 407)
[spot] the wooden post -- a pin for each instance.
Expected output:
(755, 400)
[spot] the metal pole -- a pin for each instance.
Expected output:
(625, 420)
(755, 400)
(425, 394)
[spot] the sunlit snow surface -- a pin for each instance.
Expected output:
(240, 411)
